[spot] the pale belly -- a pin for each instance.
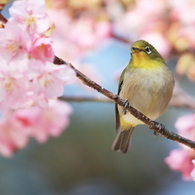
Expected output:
(148, 93)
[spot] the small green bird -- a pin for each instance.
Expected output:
(147, 83)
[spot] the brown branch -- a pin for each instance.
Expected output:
(153, 125)
(120, 38)
(84, 99)
(180, 99)
(173, 52)
(3, 20)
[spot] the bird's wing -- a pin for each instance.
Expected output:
(117, 117)
(116, 111)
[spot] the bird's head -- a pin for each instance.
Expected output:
(144, 51)
(145, 55)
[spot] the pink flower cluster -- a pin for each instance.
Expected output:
(17, 126)
(182, 159)
(166, 24)
(81, 34)
(28, 78)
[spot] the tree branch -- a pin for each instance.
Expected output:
(180, 99)
(3, 20)
(84, 99)
(153, 125)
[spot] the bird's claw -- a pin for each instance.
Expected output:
(160, 127)
(124, 111)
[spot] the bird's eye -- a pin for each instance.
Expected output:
(148, 50)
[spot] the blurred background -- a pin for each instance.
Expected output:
(80, 161)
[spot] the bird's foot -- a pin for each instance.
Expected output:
(124, 111)
(160, 127)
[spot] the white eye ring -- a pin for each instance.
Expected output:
(148, 50)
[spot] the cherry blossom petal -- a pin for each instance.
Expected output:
(52, 79)
(30, 15)
(42, 49)
(14, 87)
(193, 171)
(12, 136)
(179, 160)
(44, 123)
(15, 45)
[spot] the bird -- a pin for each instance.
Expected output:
(147, 84)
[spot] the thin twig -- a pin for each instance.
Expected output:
(3, 19)
(84, 99)
(179, 100)
(153, 125)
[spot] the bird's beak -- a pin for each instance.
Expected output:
(135, 49)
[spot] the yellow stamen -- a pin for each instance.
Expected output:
(13, 46)
(8, 84)
(30, 20)
(45, 80)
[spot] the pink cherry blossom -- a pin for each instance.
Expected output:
(35, 98)
(44, 123)
(179, 160)
(185, 123)
(28, 79)
(193, 171)
(79, 35)
(145, 6)
(186, 127)
(41, 49)
(13, 136)
(46, 81)
(13, 46)
(14, 86)
(87, 33)
(142, 17)
(30, 15)
(184, 10)
(103, 30)
(17, 126)
(51, 79)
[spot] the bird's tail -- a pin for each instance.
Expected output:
(122, 141)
